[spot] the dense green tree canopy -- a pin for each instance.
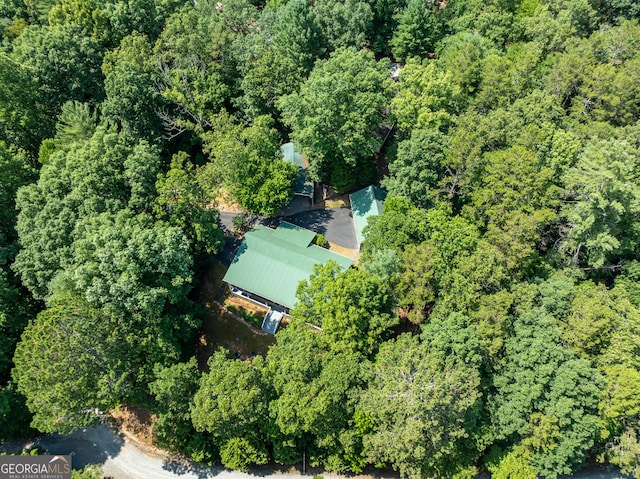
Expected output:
(71, 367)
(130, 86)
(64, 62)
(545, 396)
(352, 308)
(604, 190)
(173, 390)
(335, 115)
(419, 166)
(248, 164)
(89, 177)
(231, 405)
(185, 201)
(427, 96)
(344, 23)
(417, 406)
(315, 392)
(491, 322)
(418, 30)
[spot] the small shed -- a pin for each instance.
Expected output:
(301, 185)
(366, 202)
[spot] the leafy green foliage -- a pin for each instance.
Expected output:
(183, 200)
(418, 30)
(65, 63)
(352, 308)
(427, 97)
(604, 188)
(416, 289)
(385, 21)
(240, 453)
(129, 266)
(271, 75)
(399, 225)
(246, 162)
(191, 51)
(16, 309)
(15, 171)
(297, 33)
(315, 392)
(24, 123)
(334, 114)
(545, 397)
(509, 235)
(70, 366)
(75, 124)
(98, 175)
(14, 415)
(419, 166)
(130, 88)
(514, 202)
(344, 23)
(418, 403)
(174, 429)
(230, 401)
(87, 472)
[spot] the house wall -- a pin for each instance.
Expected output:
(254, 298)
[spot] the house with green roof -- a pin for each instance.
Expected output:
(365, 203)
(301, 185)
(270, 263)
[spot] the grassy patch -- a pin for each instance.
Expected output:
(248, 316)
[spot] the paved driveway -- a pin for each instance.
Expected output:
(335, 224)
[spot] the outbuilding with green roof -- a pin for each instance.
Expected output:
(365, 203)
(302, 186)
(270, 263)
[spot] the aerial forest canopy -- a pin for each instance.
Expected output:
(493, 321)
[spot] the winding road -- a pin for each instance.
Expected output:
(122, 459)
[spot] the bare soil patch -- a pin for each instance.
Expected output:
(348, 252)
(223, 329)
(135, 422)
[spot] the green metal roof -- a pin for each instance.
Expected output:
(293, 234)
(293, 156)
(365, 203)
(301, 186)
(270, 263)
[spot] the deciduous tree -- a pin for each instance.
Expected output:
(419, 28)
(427, 97)
(247, 162)
(187, 203)
(232, 406)
(71, 367)
(353, 308)
(417, 406)
(418, 167)
(334, 115)
(546, 400)
(603, 193)
(315, 391)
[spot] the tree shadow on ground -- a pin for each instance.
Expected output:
(88, 446)
(314, 220)
(181, 467)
